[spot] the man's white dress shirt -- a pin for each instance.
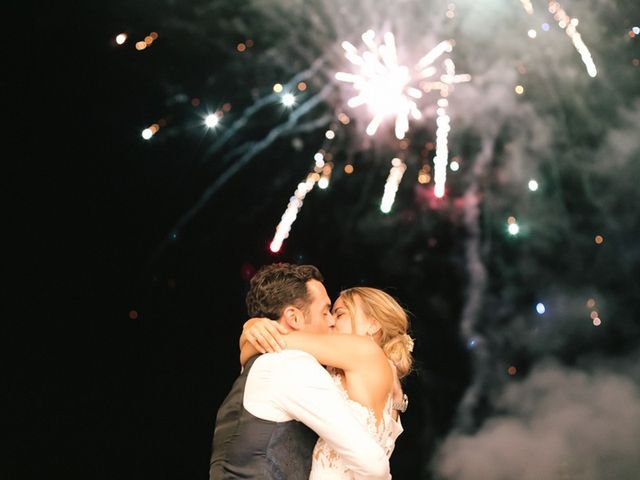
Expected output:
(292, 385)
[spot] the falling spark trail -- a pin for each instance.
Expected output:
(443, 122)
(290, 126)
(391, 187)
(319, 175)
(477, 281)
(569, 25)
(257, 106)
(291, 213)
(441, 159)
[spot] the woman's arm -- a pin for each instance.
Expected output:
(345, 351)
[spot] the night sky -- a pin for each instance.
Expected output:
(135, 254)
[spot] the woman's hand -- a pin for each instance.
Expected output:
(264, 335)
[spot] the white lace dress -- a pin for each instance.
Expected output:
(327, 464)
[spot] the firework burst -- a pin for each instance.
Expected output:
(390, 89)
(382, 83)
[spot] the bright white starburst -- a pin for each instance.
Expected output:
(383, 84)
(388, 88)
(391, 90)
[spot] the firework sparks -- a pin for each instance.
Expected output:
(389, 90)
(383, 84)
(398, 168)
(441, 159)
(290, 214)
(387, 87)
(319, 175)
(568, 24)
(243, 154)
(443, 122)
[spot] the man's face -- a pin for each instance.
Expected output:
(318, 318)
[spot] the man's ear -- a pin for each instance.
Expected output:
(293, 317)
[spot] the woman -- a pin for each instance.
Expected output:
(369, 351)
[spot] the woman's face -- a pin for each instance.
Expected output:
(345, 323)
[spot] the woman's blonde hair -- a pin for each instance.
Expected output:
(393, 320)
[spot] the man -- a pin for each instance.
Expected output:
(267, 426)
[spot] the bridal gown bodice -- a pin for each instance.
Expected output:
(327, 464)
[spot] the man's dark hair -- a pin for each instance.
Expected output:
(279, 285)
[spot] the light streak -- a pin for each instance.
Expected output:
(398, 167)
(150, 131)
(569, 25)
(442, 148)
(291, 213)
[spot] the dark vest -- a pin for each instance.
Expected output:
(247, 447)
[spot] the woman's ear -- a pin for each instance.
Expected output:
(374, 328)
(293, 317)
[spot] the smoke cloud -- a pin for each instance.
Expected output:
(558, 423)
